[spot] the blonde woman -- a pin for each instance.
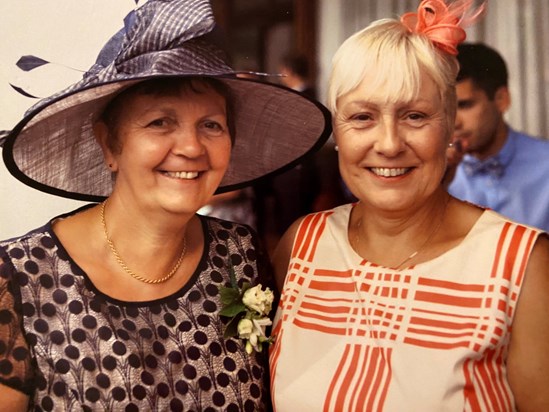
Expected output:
(409, 299)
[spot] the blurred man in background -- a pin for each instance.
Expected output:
(501, 169)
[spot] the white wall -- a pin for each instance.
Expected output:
(69, 33)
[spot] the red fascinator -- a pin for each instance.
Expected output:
(441, 23)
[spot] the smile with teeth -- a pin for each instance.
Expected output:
(182, 175)
(389, 172)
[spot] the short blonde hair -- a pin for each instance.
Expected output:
(395, 57)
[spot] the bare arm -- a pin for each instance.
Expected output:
(12, 400)
(282, 253)
(528, 362)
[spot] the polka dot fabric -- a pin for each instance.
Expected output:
(81, 350)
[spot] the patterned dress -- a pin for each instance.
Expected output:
(355, 336)
(71, 347)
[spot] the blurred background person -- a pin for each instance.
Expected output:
(330, 188)
(295, 72)
(502, 169)
(310, 186)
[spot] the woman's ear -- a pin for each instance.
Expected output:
(101, 132)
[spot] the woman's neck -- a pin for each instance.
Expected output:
(395, 238)
(144, 235)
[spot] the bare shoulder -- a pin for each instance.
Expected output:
(461, 217)
(535, 289)
(464, 215)
(540, 258)
(528, 362)
(69, 229)
(282, 253)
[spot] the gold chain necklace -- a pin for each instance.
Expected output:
(425, 243)
(126, 268)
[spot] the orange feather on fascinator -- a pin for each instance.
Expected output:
(441, 23)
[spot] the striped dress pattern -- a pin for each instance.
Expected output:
(352, 335)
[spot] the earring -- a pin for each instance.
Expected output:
(450, 145)
(336, 148)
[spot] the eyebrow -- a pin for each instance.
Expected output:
(370, 103)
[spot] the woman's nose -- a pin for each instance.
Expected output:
(389, 141)
(187, 142)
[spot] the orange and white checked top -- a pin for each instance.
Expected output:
(355, 336)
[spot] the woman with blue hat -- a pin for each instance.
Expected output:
(126, 304)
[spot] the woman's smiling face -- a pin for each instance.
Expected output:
(392, 151)
(174, 148)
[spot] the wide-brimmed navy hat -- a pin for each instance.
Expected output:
(53, 148)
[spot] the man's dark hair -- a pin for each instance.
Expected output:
(483, 65)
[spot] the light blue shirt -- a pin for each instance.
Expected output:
(517, 188)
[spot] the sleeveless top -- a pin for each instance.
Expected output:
(71, 347)
(355, 336)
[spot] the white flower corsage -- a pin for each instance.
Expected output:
(248, 309)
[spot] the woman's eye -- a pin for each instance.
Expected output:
(361, 120)
(213, 127)
(415, 118)
(158, 122)
(361, 117)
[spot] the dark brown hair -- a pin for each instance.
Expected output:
(484, 66)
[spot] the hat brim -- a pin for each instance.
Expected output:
(53, 148)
